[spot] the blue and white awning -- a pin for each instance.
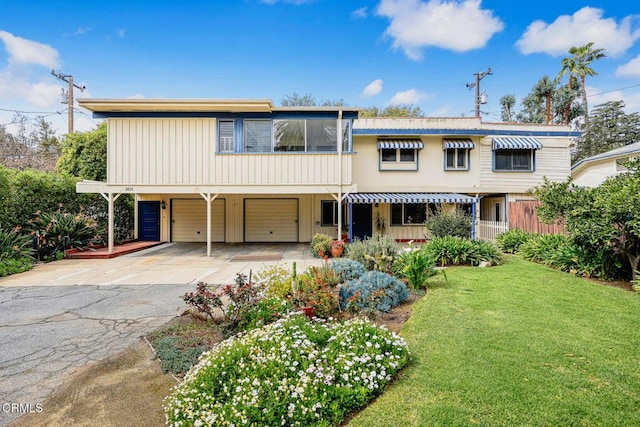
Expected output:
(516, 143)
(413, 143)
(369, 198)
(448, 143)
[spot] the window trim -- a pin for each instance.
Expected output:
(428, 207)
(467, 159)
(234, 137)
(532, 154)
(335, 213)
(398, 164)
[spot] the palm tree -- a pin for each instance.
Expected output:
(578, 64)
(545, 89)
(568, 67)
(507, 102)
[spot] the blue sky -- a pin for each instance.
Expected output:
(364, 52)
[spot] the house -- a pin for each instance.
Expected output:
(249, 171)
(592, 171)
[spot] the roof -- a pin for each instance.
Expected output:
(158, 105)
(616, 153)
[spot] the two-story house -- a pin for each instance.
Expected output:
(249, 171)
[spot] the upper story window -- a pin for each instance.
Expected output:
(294, 135)
(226, 136)
(457, 153)
(515, 154)
(399, 155)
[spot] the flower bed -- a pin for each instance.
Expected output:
(291, 372)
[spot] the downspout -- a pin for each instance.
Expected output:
(339, 174)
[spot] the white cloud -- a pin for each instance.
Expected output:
(444, 111)
(23, 51)
(43, 94)
(81, 30)
(630, 69)
(361, 13)
(373, 88)
(631, 99)
(410, 97)
(122, 33)
(137, 96)
(458, 26)
(584, 26)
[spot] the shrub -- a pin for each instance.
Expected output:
(416, 265)
(14, 245)
(347, 269)
(454, 223)
(321, 245)
(310, 291)
(277, 280)
(263, 312)
(375, 253)
(9, 266)
(292, 372)
(374, 291)
(543, 247)
(56, 232)
(456, 251)
(511, 240)
(173, 356)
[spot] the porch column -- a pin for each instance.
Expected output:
(208, 199)
(111, 198)
(339, 198)
(475, 214)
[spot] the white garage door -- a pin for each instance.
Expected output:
(271, 220)
(189, 220)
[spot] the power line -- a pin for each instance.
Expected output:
(614, 90)
(68, 78)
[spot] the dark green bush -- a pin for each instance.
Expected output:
(9, 266)
(375, 253)
(374, 291)
(454, 223)
(56, 232)
(511, 240)
(14, 245)
(456, 251)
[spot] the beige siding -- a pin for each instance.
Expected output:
(271, 220)
(551, 161)
(595, 173)
(159, 151)
(279, 169)
(189, 220)
(430, 176)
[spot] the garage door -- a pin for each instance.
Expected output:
(189, 220)
(271, 220)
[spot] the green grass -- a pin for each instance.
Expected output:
(517, 345)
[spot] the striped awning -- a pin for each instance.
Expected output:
(369, 198)
(413, 143)
(516, 143)
(448, 143)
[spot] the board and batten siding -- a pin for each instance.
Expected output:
(552, 161)
(160, 151)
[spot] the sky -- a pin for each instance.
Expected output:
(367, 53)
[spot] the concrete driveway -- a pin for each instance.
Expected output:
(65, 314)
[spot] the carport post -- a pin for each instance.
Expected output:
(474, 223)
(111, 198)
(209, 199)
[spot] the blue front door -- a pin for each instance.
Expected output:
(149, 220)
(361, 221)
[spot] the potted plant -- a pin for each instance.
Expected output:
(337, 247)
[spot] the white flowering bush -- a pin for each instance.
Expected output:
(294, 372)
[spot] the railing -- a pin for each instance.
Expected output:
(488, 230)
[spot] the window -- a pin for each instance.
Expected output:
(257, 136)
(513, 160)
(398, 159)
(226, 140)
(289, 135)
(410, 213)
(329, 213)
(407, 155)
(457, 159)
(322, 135)
(388, 155)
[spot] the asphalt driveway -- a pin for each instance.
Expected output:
(65, 314)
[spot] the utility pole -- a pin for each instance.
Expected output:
(476, 84)
(68, 78)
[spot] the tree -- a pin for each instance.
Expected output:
(396, 110)
(507, 103)
(600, 217)
(308, 100)
(545, 89)
(84, 154)
(610, 127)
(578, 64)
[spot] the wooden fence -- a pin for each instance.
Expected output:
(523, 215)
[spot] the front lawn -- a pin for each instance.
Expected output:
(517, 345)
